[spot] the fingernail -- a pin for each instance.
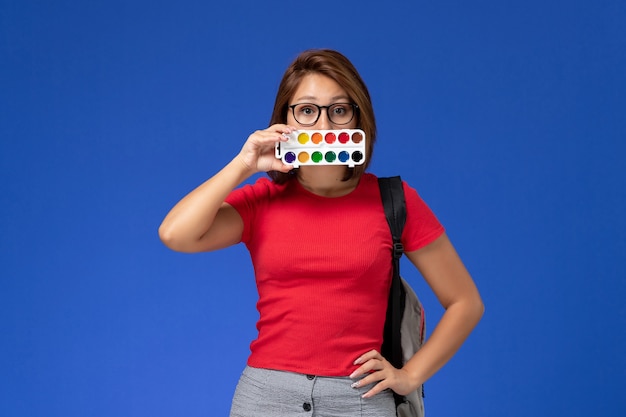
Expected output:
(353, 375)
(355, 385)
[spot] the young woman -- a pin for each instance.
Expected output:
(321, 249)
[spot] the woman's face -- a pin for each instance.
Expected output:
(323, 91)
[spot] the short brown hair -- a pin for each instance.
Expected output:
(336, 66)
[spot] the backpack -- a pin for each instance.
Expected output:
(405, 322)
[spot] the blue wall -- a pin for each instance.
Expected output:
(508, 117)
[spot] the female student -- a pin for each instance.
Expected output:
(320, 246)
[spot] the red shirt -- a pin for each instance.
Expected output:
(323, 270)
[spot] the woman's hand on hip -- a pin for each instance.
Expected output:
(383, 373)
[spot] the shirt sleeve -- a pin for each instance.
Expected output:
(246, 201)
(422, 226)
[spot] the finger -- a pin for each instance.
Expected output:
(369, 379)
(381, 386)
(372, 354)
(265, 137)
(274, 133)
(260, 144)
(379, 381)
(369, 361)
(282, 128)
(370, 366)
(284, 168)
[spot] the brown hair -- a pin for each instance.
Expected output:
(336, 66)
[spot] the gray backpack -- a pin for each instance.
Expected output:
(405, 323)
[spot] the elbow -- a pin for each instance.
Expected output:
(482, 310)
(472, 309)
(478, 309)
(178, 241)
(169, 238)
(166, 235)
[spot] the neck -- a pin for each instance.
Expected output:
(326, 181)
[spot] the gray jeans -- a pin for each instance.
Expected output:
(268, 393)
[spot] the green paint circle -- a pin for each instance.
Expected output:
(316, 157)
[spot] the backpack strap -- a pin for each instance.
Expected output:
(392, 195)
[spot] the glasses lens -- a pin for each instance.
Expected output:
(341, 113)
(306, 114)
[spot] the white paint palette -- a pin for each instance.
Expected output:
(323, 147)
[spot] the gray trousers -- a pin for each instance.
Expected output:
(268, 393)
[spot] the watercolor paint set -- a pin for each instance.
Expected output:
(323, 147)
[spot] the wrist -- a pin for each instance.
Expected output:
(415, 378)
(242, 168)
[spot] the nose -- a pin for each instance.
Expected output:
(324, 123)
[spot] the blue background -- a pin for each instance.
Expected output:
(507, 116)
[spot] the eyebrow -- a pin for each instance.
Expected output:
(315, 98)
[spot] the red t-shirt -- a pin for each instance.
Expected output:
(323, 270)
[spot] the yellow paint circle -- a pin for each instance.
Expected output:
(303, 138)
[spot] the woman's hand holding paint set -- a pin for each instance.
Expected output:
(323, 147)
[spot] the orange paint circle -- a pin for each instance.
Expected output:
(303, 157)
(316, 138)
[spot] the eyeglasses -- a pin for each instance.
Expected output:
(307, 114)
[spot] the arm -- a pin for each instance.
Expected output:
(444, 271)
(202, 221)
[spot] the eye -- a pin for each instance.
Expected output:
(306, 113)
(306, 110)
(340, 109)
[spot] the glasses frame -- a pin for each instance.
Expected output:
(355, 110)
